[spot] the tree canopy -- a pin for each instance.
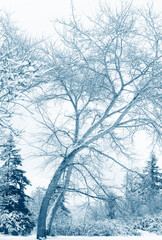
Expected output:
(100, 85)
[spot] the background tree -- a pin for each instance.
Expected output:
(153, 174)
(18, 66)
(35, 201)
(15, 218)
(133, 199)
(143, 194)
(152, 183)
(96, 93)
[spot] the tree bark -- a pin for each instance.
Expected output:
(60, 199)
(41, 228)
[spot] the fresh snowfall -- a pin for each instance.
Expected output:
(33, 237)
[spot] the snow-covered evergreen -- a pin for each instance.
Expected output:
(153, 176)
(15, 216)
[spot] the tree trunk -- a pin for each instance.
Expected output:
(41, 228)
(60, 198)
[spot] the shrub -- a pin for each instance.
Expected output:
(16, 223)
(149, 223)
(97, 228)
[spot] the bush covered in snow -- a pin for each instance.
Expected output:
(96, 228)
(16, 223)
(149, 223)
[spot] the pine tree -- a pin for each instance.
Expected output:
(153, 177)
(151, 185)
(15, 216)
(143, 194)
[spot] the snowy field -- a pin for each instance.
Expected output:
(146, 236)
(86, 238)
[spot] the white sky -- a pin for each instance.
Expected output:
(34, 17)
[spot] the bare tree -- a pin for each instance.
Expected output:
(97, 91)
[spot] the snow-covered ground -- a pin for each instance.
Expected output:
(145, 236)
(85, 238)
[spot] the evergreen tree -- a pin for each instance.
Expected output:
(143, 195)
(153, 177)
(152, 183)
(15, 216)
